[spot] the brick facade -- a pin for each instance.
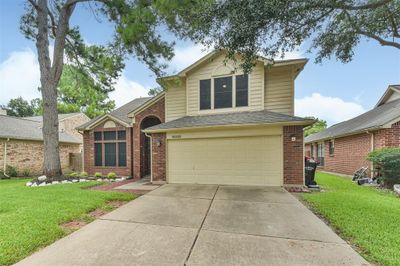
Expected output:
(88, 142)
(159, 169)
(25, 154)
(293, 155)
(351, 152)
(157, 110)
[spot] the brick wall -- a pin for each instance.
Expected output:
(388, 137)
(157, 110)
(293, 161)
(69, 124)
(158, 156)
(88, 153)
(24, 154)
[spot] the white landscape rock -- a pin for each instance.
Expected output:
(42, 184)
(55, 182)
(29, 184)
(396, 188)
(42, 178)
(64, 182)
(75, 180)
(34, 185)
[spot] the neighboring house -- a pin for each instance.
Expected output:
(211, 125)
(343, 148)
(21, 141)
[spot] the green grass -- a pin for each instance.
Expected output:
(367, 217)
(30, 217)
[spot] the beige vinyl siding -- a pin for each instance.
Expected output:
(236, 156)
(207, 70)
(279, 90)
(175, 102)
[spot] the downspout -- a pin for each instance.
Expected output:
(5, 157)
(151, 156)
(371, 150)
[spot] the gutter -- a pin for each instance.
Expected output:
(5, 157)
(151, 156)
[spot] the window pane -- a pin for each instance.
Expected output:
(98, 159)
(109, 135)
(122, 135)
(242, 83)
(122, 154)
(97, 136)
(223, 92)
(205, 94)
(110, 154)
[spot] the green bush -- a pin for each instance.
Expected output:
(387, 164)
(73, 174)
(83, 173)
(11, 171)
(26, 172)
(98, 175)
(111, 175)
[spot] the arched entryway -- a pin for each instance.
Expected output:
(145, 145)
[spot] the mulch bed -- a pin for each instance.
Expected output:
(112, 186)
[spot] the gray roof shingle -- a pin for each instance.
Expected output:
(249, 117)
(120, 113)
(19, 128)
(372, 119)
(39, 118)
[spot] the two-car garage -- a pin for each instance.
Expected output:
(241, 157)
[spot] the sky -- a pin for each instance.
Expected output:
(331, 90)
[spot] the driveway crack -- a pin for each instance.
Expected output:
(201, 226)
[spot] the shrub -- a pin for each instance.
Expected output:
(387, 164)
(73, 174)
(11, 171)
(83, 173)
(98, 175)
(111, 175)
(26, 172)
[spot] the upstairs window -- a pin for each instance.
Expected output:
(242, 95)
(224, 92)
(205, 94)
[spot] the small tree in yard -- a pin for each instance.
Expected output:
(387, 164)
(136, 32)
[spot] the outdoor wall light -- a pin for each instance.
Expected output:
(158, 143)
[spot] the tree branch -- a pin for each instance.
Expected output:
(382, 41)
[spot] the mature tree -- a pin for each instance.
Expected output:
(332, 27)
(155, 91)
(137, 27)
(318, 126)
(20, 107)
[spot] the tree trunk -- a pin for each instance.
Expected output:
(51, 160)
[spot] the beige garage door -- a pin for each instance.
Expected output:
(231, 161)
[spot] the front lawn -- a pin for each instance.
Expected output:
(366, 216)
(30, 217)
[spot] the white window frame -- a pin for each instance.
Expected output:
(234, 107)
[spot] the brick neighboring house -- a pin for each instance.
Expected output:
(343, 148)
(21, 141)
(213, 124)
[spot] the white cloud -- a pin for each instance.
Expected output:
(185, 56)
(19, 76)
(126, 90)
(331, 109)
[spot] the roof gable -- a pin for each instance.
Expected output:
(392, 93)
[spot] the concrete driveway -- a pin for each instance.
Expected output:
(204, 225)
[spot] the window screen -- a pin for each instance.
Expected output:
(97, 136)
(98, 158)
(122, 154)
(205, 94)
(223, 92)
(242, 83)
(109, 135)
(121, 135)
(110, 154)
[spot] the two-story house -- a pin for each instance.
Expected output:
(213, 124)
